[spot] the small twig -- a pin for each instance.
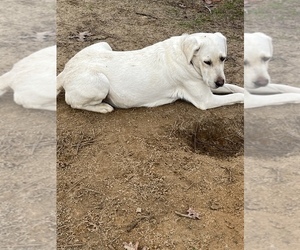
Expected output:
(207, 8)
(134, 224)
(147, 15)
(21, 190)
(71, 245)
(182, 215)
(229, 172)
(61, 227)
(115, 239)
(189, 187)
(76, 183)
(83, 142)
(191, 214)
(78, 146)
(91, 190)
(36, 144)
(22, 246)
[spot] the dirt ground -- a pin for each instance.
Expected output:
(121, 176)
(27, 137)
(272, 137)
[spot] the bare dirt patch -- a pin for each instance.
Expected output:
(27, 137)
(122, 176)
(272, 204)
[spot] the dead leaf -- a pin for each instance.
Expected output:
(193, 214)
(82, 36)
(130, 246)
(211, 1)
(42, 36)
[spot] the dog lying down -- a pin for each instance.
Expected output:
(185, 67)
(258, 51)
(32, 80)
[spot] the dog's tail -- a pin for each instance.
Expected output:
(59, 83)
(5, 81)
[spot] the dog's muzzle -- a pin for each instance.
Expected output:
(219, 82)
(261, 82)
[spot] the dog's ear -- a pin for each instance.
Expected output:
(268, 41)
(190, 47)
(221, 41)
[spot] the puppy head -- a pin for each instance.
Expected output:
(206, 53)
(258, 51)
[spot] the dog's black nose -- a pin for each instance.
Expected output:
(261, 81)
(220, 82)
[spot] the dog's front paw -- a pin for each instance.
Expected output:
(238, 98)
(105, 108)
(100, 108)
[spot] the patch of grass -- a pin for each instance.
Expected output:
(228, 12)
(284, 16)
(280, 10)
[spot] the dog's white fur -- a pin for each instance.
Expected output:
(98, 79)
(32, 80)
(258, 51)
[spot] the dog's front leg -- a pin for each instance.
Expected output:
(255, 101)
(284, 88)
(274, 89)
(228, 89)
(203, 98)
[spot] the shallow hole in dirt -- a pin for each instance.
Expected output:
(214, 136)
(272, 137)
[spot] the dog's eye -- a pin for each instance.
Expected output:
(246, 63)
(266, 58)
(208, 63)
(222, 58)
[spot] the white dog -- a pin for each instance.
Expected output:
(185, 67)
(258, 51)
(33, 80)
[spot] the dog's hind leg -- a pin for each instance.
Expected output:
(5, 81)
(88, 91)
(32, 100)
(104, 46)
(59, 85)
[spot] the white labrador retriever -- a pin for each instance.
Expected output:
(185, 67)
(258, 51)
(33, 80)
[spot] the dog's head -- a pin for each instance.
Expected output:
(258, 51)
(206, 53)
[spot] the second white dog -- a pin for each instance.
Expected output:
(185, 67)
(258, 51)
